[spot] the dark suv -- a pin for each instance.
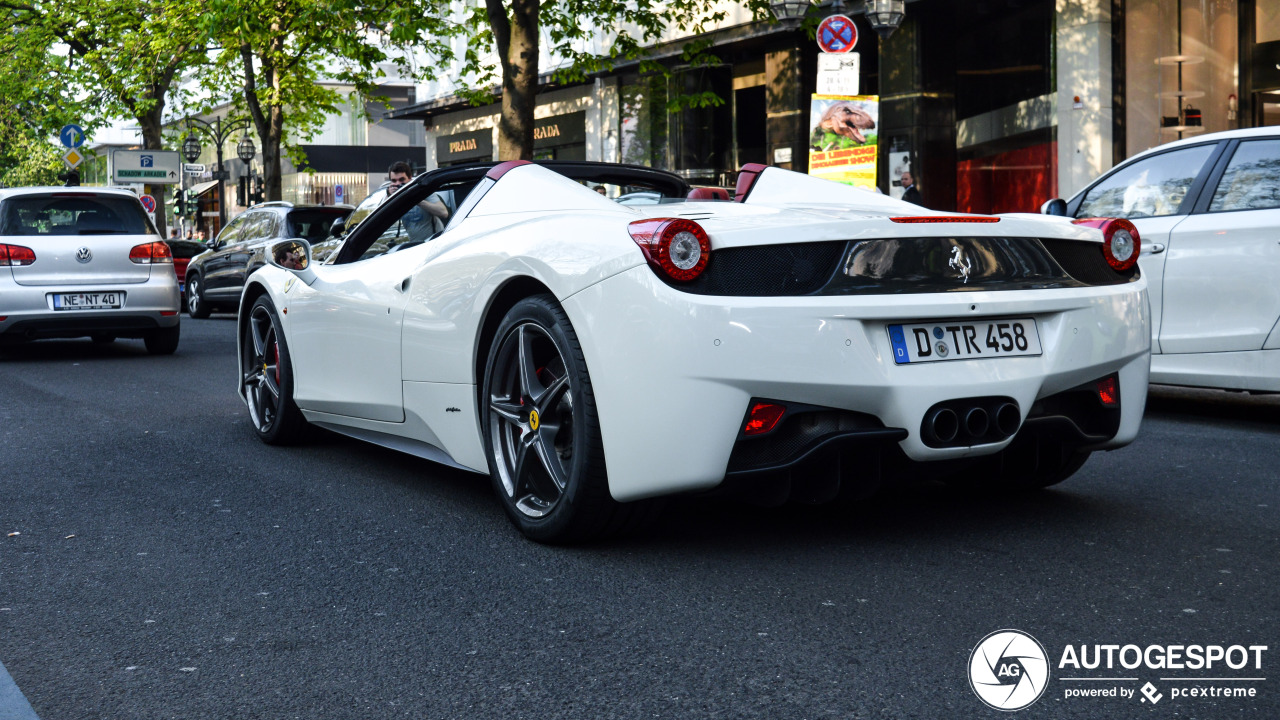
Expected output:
(215, 278)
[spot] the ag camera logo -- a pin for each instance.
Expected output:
(1008, 670)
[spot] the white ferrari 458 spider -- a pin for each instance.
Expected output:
(804, 341)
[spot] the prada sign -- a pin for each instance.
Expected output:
(560, 130)
(477, 145)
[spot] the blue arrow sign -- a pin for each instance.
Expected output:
(72, 136)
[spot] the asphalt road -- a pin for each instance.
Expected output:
(171, 566)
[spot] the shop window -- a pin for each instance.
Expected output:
(1249, 182)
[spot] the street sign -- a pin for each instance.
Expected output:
(157, 167)
(148, 203)
(72, 136)
(338, 194)
(837, 34)
(193, 169)
(838, 73)
(221, 175)
(72, 157)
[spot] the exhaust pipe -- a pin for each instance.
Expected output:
(943, 425)
(1007, 419)
(976, 422)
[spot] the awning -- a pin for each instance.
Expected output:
(201, 188)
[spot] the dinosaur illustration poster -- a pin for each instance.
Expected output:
(843, 138)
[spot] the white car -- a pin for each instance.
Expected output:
(1208, 209)
(811, 337)
(83, 261)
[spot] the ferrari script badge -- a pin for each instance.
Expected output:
(533, 419)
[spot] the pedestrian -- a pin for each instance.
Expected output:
(909, 191)
(188, 235)
(429, 216)
(173, 234)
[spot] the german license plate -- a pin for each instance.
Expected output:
(88, 301)
(952, 340)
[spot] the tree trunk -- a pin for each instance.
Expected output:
(517, 39)
(152, 125)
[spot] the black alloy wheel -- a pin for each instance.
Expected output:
(268, 377)
(546, 456)
(197, 306)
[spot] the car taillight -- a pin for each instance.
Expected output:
(151, 253)
(16, 256)
(677, 246)
(1121, 243)
(1109, 391)
(763, 418)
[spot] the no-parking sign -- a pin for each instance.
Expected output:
(148, 203)
(837, 34)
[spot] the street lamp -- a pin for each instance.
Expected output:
(789, 12)
(191, 148)
(886, 15)
(218, 133)
(245, 149)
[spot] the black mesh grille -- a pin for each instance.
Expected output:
(768, 270)
(1085, 262)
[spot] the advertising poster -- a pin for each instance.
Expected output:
(843, 138)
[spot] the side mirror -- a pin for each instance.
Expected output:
(1056, 206)
(293, 255)
(338, 227)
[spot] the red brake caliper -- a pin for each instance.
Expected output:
(275, 350)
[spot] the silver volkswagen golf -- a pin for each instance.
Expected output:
(81, 261)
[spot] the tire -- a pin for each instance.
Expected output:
(163, 341)
(197, 306)
(102, 339)
(547, 467)
(269, 390)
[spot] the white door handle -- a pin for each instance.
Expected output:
(1152, 249)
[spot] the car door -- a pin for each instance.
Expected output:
(1222, 274)
(219, 268)
(1156, 193)
(344, 331)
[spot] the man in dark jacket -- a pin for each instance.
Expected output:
(909, 191)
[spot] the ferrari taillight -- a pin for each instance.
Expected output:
(151, 253)
(1121, 244)
(1109, 391)
(763, 418)
(679, 247)
(16, 256)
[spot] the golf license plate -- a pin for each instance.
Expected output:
(88, 301)
(958, 340)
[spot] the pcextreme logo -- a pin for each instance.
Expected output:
(1009, 670)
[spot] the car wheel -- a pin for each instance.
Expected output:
(197, 306)
(268, 380)
(102, 339)
(542, 434)
(163, 341)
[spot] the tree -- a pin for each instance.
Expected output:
(509, 30)
(123, 58)
(278, 52)
(31, 108)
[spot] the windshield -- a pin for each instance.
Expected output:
(313, 224)
(73, 214)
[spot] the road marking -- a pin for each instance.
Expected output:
(13, 706)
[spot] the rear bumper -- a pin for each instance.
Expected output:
(29, 315)
(674, 373)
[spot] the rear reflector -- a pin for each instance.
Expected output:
(168, 313)
(1109, 391)
(763, 418)
(16, 256)
(151, 253)
(946, 219)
